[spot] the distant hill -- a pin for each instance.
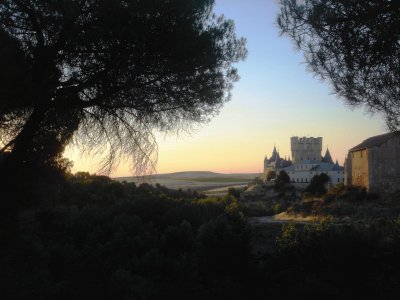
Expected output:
(192, 174)
(195, 180)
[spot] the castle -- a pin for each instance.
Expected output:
(306, 162)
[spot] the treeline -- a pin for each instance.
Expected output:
(102, 239)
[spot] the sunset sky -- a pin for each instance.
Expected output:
(276, 98)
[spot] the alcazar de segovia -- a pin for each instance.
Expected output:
(306, 162)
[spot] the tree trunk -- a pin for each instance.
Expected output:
(29, 172)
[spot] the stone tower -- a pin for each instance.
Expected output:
(306, 149)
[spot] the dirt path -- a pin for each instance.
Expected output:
(281, 218)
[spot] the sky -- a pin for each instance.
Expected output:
(275, 98)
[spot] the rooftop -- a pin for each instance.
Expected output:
(375, 141)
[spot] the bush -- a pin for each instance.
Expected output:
(347, 261)
(106, 239)
(317, 185)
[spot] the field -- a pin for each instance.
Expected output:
(208, 182)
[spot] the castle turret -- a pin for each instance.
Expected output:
(274, 155)
(327, 158)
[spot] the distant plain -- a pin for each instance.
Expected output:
(203, 181)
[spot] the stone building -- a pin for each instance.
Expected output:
(375, 164)
(306, 162)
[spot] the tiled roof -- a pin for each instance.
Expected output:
(374, 141)
(321, 166)
(327, 167)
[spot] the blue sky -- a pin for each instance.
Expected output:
(276, 98)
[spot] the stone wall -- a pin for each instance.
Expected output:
(385, 166)
(359, 168)
(347, 170)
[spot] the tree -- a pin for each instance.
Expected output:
(282, 178)
(317, 184)
(271, 175)
(355, 45)
(107, 73)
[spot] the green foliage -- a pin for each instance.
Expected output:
(277, 208)
(281, 180)
(104, 239)
(107, 239)
(289, 237)
(234, 192)
(317, 185)
(271, 175)
(349, 193)
(342, 261)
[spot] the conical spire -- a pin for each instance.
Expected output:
(328, 157)
(274, 154)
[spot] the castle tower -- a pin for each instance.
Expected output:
(306, 149)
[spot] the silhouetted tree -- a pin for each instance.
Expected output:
(271, 175)
(282, 178)
(317, 184)
(353, 44)
(108, 73)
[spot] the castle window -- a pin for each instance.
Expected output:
(306, 180)
(297, 179)
(338, 180)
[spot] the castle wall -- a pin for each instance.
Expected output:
(304, 176)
